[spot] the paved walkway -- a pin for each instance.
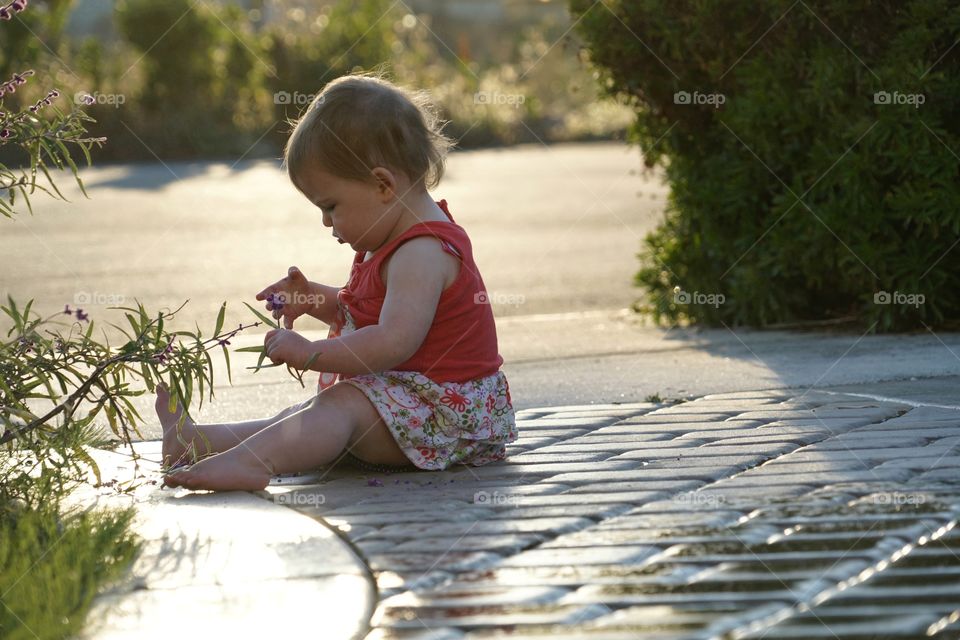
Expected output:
(761, 514)
(766, 514)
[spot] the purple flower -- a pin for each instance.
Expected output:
(5, 133)
(66, 310)
(223, 342)
(276, 300)
(81, 315)
(6, 13)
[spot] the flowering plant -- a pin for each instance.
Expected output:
(53, 386)
(44, 140)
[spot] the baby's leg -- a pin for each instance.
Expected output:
(341, 417)
(221, 436)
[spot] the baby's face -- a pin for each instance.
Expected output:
(360, 213)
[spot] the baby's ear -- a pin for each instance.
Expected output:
(386, 182)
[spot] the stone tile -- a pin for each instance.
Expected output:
(505, 615)
(435, 633)
(572, 455)
(775, 476)
(422, 562)
(555, 422)
(936, 460)
(769, 449)
(590, 408)
(529, 444)
(625, 595)
(733, 464)
(564, 499)
(560, 434)
(627, 487)
(625, 537)
(786, 465)
(475, 596)
(596, 511)
(545, 526)
(638, 475)
(676, 417)
(507, 469)
(866, 411)
(379, 518)
(818, 627)
(644, 519)
(872, 440)
(609, 445)
(626, 442)
(576, 556)
(672, 429)
(503, 543)
(402, 502)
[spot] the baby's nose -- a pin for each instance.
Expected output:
(327, 222)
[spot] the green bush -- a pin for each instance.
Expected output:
(52, 564)
(194, 79)
(825, 186)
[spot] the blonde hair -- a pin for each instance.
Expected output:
(361, 121)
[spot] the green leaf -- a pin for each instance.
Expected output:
(174, 390)
(311, 360)
(226, 357)
(263, 317)
(223, 310)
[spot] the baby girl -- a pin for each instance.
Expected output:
(410, 371)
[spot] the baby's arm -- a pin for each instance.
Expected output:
(414, 285)
(325, 305)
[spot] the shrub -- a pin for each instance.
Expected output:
(811, 150)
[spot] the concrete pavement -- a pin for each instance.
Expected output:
(782, 513)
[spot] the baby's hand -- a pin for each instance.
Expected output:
(283, 346)
(289, 297)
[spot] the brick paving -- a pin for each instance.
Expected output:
(770, 514)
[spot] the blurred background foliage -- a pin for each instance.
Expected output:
(813, 194)
(185, 79)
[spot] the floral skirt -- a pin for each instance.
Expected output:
(436, 424)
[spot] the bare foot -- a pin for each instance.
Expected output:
(174, 451)
(236, 469)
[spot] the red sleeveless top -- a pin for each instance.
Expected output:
(461, 344)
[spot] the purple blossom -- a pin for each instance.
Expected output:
(44, 102)
(223, 342)
(7, 12)
(10, 86)
(276, 300)
(66, 310)
(162, 356)
(5, 133)
(81, 315)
